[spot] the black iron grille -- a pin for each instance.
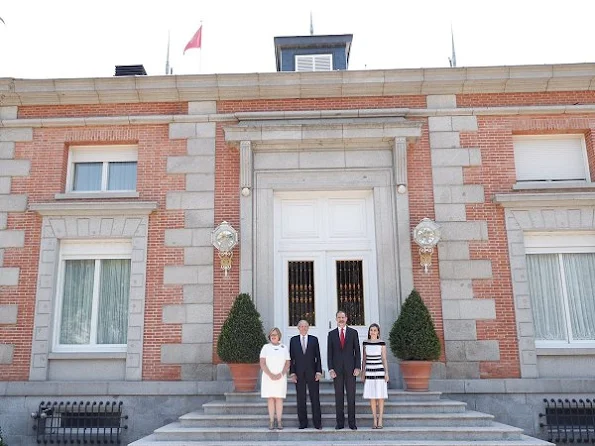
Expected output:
(79, 422)
(569, 421)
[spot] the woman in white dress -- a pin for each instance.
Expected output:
(375, 374)
(274, 362)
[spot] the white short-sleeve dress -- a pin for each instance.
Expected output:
(276, 356)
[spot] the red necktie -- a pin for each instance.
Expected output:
(342, 337)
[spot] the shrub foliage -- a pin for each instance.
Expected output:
(413, 335)
(242, 335)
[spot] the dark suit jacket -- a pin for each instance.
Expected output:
(305, 364)
(348, 358)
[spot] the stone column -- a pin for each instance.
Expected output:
(246, 217)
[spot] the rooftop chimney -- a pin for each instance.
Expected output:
(130, 70)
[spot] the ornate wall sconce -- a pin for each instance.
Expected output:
(427, 235)
(224, 237)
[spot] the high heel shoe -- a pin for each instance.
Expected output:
(279, 425)
(272, 425)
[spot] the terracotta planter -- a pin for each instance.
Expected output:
(245, 376)
(416, 375)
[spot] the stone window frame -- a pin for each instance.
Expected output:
(85, 249)
(88, 221)
(539, 212)
(557, 243)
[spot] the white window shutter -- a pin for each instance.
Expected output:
(550, 158)
(304, 63)
(323, 62)
(314, 62)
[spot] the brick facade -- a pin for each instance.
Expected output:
(190, 168)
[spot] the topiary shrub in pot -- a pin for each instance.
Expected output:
(240, 341)
(414, 341)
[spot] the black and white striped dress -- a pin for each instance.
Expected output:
(375, 385)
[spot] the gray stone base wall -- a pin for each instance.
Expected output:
(149, 405)
(515, 409)
(517, 402)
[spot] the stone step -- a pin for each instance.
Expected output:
(496, 431)
(469, 418)
(259, 407)
(523, 440)
(328, 394)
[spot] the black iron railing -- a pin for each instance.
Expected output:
(91, 422)
(569, 421)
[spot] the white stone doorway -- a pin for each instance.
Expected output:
(325, 260)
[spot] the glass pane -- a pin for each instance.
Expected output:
(301, 292)
(112, 325)
(350, 290)
(87, 176)
(546, 297)
(122, 176)
(75, 325)
(579, 270)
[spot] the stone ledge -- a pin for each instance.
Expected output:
(95, 195)
(293, 115)
(531, 385)
(565, 199)
(99, 208)
(43, 388)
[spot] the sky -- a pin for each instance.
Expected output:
(88, 38)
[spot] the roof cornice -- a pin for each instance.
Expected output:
(134, 89)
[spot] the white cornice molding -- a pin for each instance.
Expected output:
(213, 87)
(86, 208)
(346, 130)
(296, 115)
(546, 199)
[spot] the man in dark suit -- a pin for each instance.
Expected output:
(305, 370)
(344, 363)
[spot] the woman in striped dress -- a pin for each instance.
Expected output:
(375, 374)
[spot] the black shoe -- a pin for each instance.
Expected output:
(318, 427)
(338, 427)
(353, 428)
(303, 427)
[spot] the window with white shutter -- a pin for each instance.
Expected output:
(314, 62)
(549, 158)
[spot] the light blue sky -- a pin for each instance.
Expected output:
(83, 38)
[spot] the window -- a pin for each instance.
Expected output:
(314, 62)
(93, 293)
(561, 275)
(301, 292)
(551, 158)
(102, 168)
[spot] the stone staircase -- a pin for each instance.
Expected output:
(410, 418)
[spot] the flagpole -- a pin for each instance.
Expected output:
(167, 57)
(453, 59)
